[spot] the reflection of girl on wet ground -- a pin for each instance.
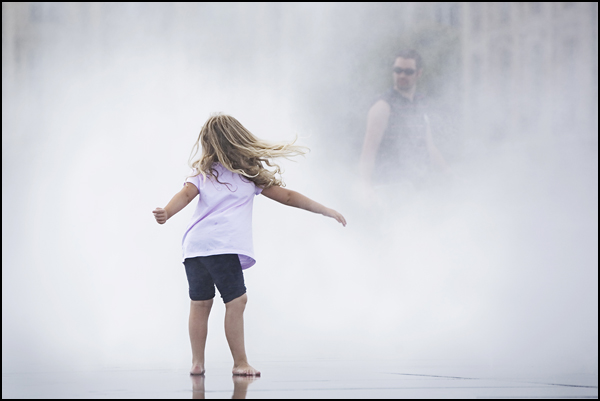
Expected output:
(240, 386)
(217, 244)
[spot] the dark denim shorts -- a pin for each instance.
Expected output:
(224, 271)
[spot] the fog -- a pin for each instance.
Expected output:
(102, 103)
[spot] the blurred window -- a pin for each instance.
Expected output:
(439, 12)
(476, 70)
(505, 63)
(535, 8)
(571, 87)
(504, 13)
(537, 67)
(476, 16)
(40, 12)
(454, 14)
(447, 13)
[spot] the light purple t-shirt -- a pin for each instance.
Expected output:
(222, 221)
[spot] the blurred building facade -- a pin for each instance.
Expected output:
(530, 68)
(268, 42)
(525, 68)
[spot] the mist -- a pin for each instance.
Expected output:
(102, 103)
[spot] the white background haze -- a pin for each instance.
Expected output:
(98, 119)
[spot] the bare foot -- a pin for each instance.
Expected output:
(245, 370)
(197, 370)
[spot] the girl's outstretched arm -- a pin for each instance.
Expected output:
(293, 198)
(179, 201)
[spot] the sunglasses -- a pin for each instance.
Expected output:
(407, 71)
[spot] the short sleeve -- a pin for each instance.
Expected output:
(193, 179)
(257, 190)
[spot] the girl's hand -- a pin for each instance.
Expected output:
(160, 215)
(332, 213)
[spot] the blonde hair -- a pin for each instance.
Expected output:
(224, 140)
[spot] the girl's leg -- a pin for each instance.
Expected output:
(199, 311)
(234, 331)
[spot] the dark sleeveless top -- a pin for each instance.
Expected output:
(402, 154)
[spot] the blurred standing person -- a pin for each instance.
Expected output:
(398, 148)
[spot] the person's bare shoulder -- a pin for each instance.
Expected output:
(380, 110)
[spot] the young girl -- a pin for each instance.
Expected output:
(217, 244)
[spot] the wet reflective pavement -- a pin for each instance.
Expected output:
(308, 379)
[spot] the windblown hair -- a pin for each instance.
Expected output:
(224, 140)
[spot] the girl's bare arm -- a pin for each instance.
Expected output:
(178, 202)
(296, 199)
